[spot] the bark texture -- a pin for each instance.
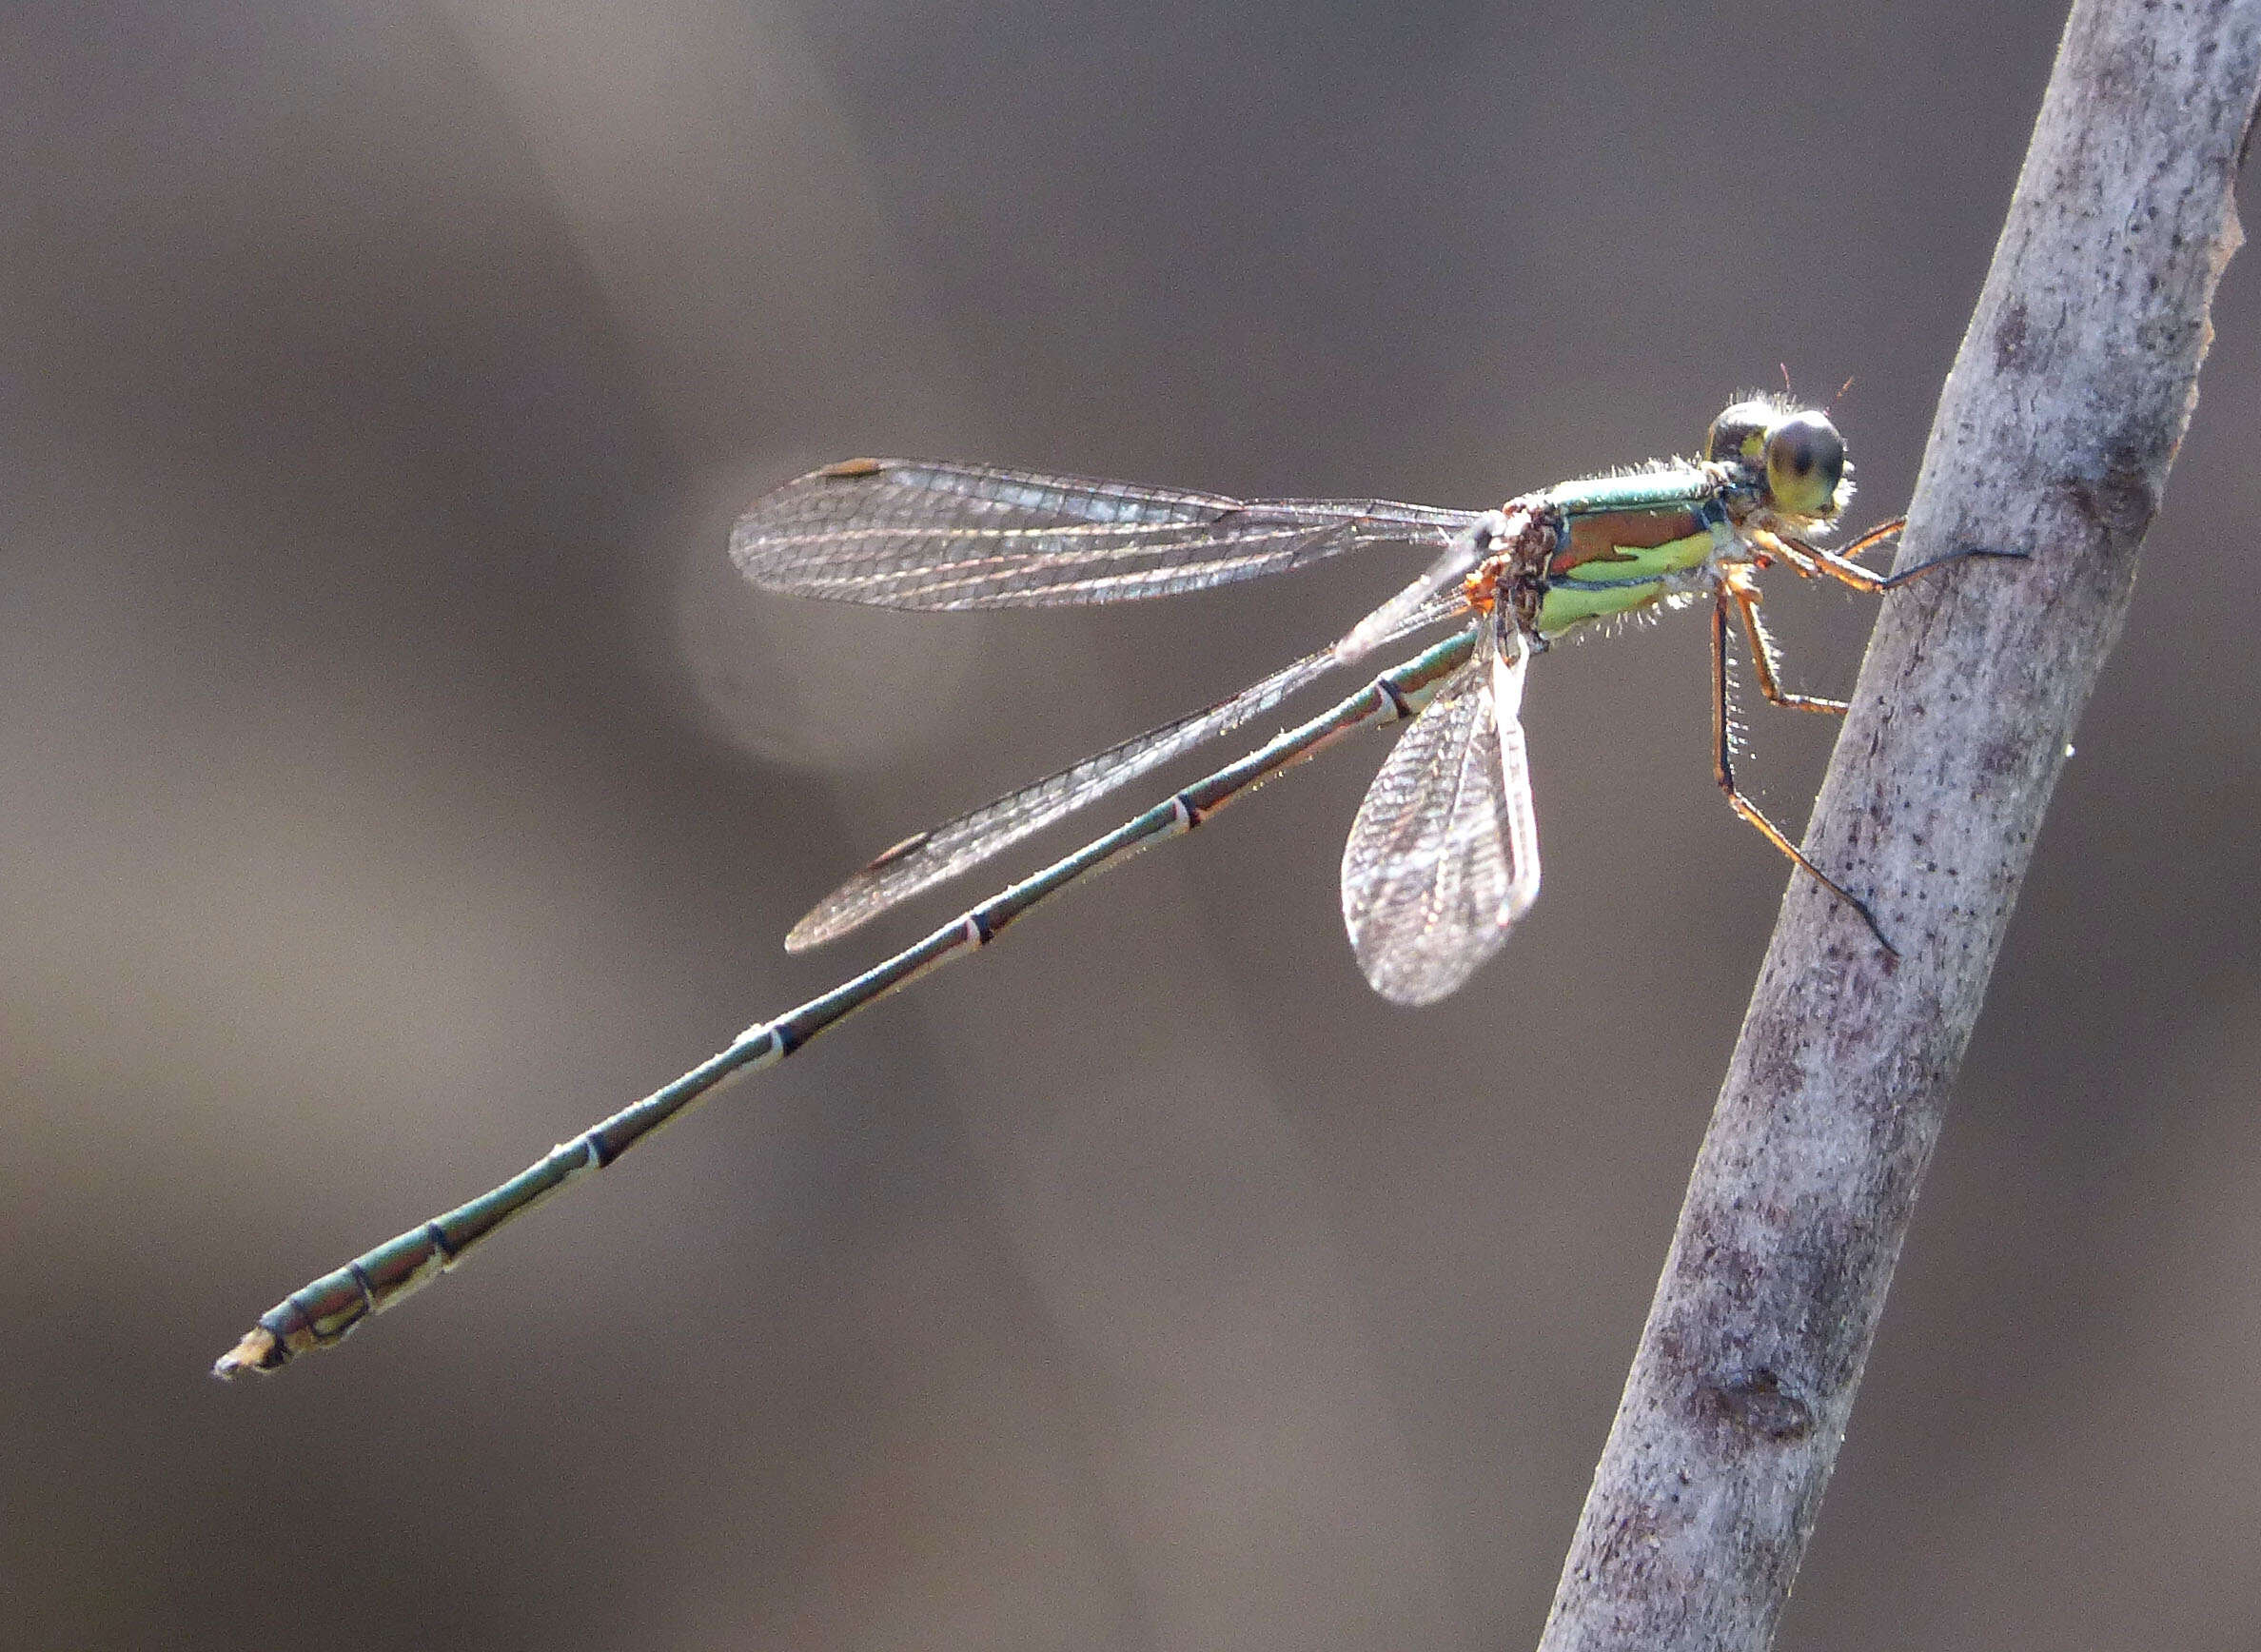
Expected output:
(2055, 435)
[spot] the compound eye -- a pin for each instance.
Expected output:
(1740, 434)
(1805, 461)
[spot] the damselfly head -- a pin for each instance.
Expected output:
(1793, 455)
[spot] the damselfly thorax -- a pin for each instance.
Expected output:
(1605, 547)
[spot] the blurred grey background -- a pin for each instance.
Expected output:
(396, 780)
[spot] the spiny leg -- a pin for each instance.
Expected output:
(1839, 565)
(1875, 536)
(1764, 661)
(1723, 769)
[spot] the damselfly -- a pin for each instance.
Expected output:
(1443, 854)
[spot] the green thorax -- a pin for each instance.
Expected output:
(1621, 538)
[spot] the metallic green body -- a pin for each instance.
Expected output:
(1587, 549)
(1683, 486)
(1622, 539)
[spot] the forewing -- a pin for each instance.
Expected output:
(918, 863)
(1461, 553)
(1442, 859)
(904, 533)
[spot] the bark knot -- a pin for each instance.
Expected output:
(1756, 1402)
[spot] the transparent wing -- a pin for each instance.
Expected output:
(906, 533)
(1461, 553)
(920, 862)
(1443, 857)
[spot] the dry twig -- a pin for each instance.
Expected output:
(2054, 436)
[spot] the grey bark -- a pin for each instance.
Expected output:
(2055, 435)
